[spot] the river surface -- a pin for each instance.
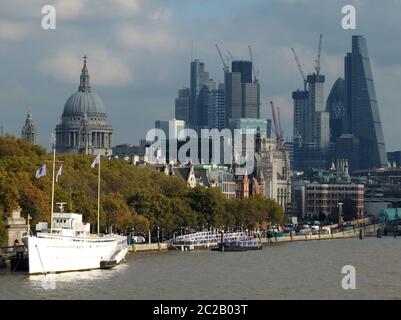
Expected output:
(298, 270)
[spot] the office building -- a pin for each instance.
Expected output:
(183, 104)
(362, 111)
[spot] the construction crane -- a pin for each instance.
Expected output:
(230, 55)
(255, 72)
(225, 67)
(277, 127)
(317, 68)
(300, 68)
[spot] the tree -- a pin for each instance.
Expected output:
(140, 223)
(116, 212)
(3, 231)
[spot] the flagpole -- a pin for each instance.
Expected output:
(98, 199)
(54, 169)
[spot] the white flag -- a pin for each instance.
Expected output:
(96, 161)
(41, 172)
(60, 170)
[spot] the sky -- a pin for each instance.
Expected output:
(139, 53)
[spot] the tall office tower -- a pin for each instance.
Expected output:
(233, 96)
(362, 111)
(250, 100)
(29, 132)
(335, 106)
(243, 67)
(319, 130)
(182, 104)
(199, 77)
(301, 114)
(216, 108)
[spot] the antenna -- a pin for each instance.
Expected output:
(317, 68)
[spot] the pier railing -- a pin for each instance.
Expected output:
(205, 238)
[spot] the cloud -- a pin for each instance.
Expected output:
(12, 31)
(105, 68)
(132, 36)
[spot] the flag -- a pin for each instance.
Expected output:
(96, 161)
(41, 172)
(60, 170)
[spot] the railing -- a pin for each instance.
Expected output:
(201, 238)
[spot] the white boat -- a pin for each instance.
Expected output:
(71, 247)
(68, 245)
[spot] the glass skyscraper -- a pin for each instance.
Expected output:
(362, 111)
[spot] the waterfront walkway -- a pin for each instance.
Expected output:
(203, 240)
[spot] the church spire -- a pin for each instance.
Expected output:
(29, 130)
(84, 85)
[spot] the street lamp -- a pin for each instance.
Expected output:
(158, 235)
(181, 230)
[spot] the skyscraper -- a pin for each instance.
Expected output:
(301, 105)
(199, 78)
(319, 130)
(29, 132)
(245, 68)
(362, 111)
(242, 93)
(233, 96)
(182, 104)
(335, 106)
(216, 108)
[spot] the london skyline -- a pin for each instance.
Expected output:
(142, 58)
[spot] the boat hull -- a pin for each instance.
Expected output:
(63, 254)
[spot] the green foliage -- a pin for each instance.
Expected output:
(131, 197)
(3, 231)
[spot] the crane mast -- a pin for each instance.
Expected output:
(225, 67)
(277, 127)
(300, 68)
(253, 64)
(317, 68)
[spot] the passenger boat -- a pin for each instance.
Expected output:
(240, 244)
(71, 247)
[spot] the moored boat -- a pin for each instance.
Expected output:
(71, 247)
(240, 244)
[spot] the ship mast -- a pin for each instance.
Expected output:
(98, 199)
(54, 169)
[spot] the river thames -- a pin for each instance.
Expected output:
(298, 270)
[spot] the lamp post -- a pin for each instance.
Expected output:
(181, 230)
(158, 229)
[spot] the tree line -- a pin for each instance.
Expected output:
(131, 196)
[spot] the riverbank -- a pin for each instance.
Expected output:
(367, 231)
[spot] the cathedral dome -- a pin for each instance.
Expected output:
(84, 100)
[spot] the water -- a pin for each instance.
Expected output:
(299, 270)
